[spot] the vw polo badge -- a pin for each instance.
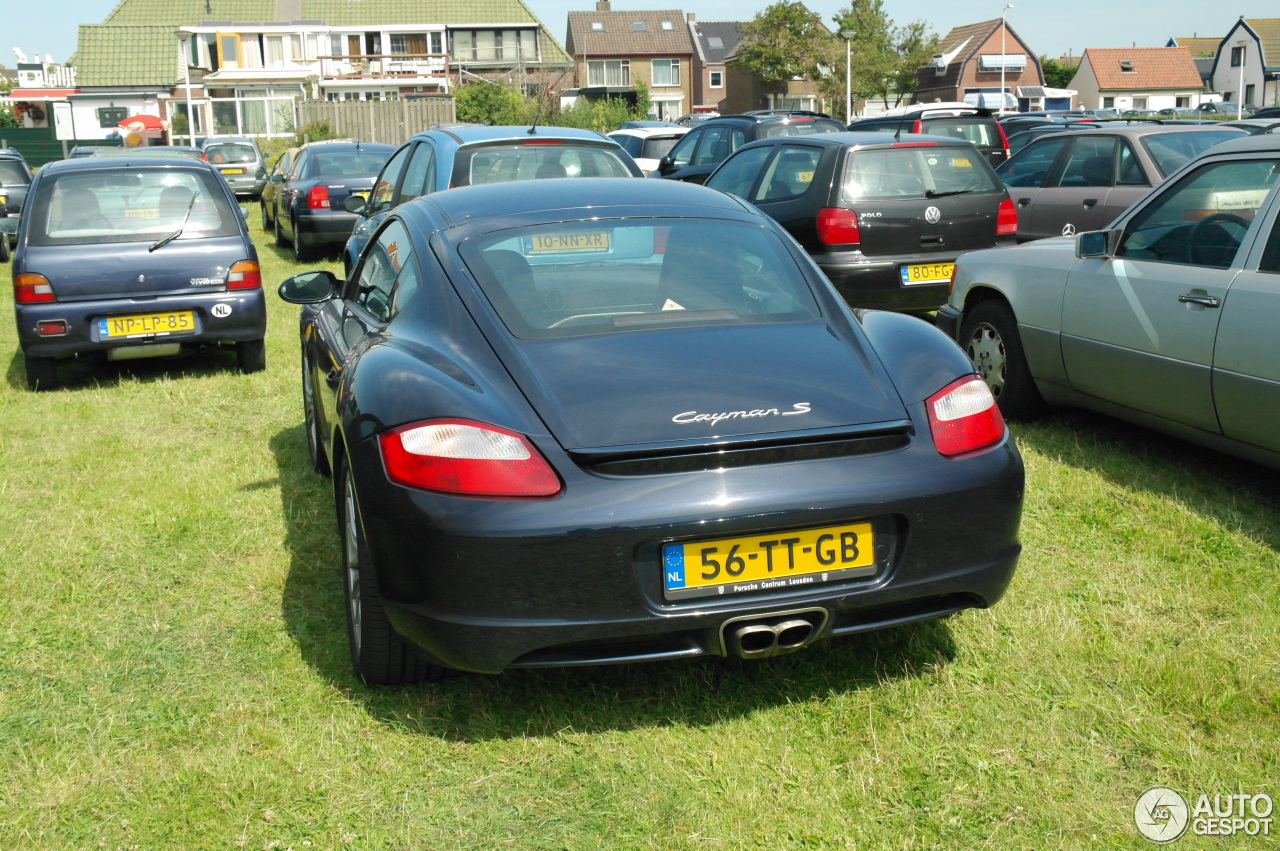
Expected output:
(933, 215)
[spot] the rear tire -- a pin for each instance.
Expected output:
(989, 336)
(301, 254)
(42, 373)
(251, 355)
(380, 656)
(281, 242)
(266, 220)
(4, 248)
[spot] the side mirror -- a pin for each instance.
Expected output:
(277, 178)
(244, 212)
(664, 165)
(310, 287)
(1097, 244)
(355, 204)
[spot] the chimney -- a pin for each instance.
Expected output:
(604, 6)
(692, 17)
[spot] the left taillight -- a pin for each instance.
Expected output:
(244, 275)
(30, 288)
(1007, 218)
(963, 417)
(318, 198)
(467, 458)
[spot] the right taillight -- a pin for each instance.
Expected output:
(963, 417)
(467, 458)
(838, 226)
(1007, 218)
(30, 288)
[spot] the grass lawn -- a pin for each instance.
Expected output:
(174, 670)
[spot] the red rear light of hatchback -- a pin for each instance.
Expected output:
(963, 417)
(30, 288)
(244, 275)
(1007, 218)
(838, 226)
(467, 458)
(318, 198)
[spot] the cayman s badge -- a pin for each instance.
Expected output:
(933, 215)
(694, 417)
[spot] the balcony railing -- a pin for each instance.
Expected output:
(384, 65)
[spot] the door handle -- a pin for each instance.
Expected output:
(1090, 202)
(1022, 202)
(1203, 300)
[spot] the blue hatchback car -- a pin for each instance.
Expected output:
(133, 257)
(449, 156)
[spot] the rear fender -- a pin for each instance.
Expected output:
(919, 358)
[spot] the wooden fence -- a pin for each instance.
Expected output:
(390, 122)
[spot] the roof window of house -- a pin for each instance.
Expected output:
(1126, 65)
(638, 26)
(666, 25)
(597, 26)
(715, 41)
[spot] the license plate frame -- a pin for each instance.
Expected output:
(923, 274)
(133, 326)
(775, 561)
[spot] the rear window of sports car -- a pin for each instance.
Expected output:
(605, 276)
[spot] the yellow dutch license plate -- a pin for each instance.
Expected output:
(146, 325)
(927, 273)
(233, 171)
(567, 243)
(763, 562)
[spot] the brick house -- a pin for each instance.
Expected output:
(613, 51)
(969, 64)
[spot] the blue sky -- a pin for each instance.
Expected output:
(1051, 28)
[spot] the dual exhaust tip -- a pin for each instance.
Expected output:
(765, 636)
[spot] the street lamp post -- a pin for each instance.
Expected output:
(848, 35)
(1003, 101)
(1243, 45)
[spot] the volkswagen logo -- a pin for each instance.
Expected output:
(933, 215)
(1068, 229)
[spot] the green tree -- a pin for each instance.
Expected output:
(491, 103)
(787, 41)
(1056, 74)
(885, 57)
(8, 118)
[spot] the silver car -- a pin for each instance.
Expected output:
(241, 163)
(1167, 319)
(1068, 183)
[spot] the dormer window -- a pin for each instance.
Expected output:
(597, 26)
(1126, 65)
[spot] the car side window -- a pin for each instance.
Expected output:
(682, 153)
(298, 165)
(739, 172)
(381, 266)
(420, 177)
(790, 174)
(1030, 167)
(1271, 253)
(1203, 218)
(384, 189)
(1128, 169)
(1088, 163)
(714, 147)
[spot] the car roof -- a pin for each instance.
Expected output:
(646, 132)
(578, 197)
(864, 139)
(1150, 128)
(117, 163)
(1246, 145)
(350, 145)
(484, 133)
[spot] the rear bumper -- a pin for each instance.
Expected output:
(876, 282)
(326, 226)
(245, 318)
(948, 321)
(578, 579)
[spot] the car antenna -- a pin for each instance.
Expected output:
(537, 116)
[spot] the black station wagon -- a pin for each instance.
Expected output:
(884, 218)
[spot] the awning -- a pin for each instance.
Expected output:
(144, 123)
(41, 94)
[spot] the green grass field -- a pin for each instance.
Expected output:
(174, 671)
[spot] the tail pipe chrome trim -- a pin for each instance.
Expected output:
(772, 634)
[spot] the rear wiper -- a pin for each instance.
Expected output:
(929, 193)
(165, 240)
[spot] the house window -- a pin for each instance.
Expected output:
(1182, 100)
(1248, 93)
(597, 26)
(637, 26)
(1237, 56)
(666, 25)
(111, 116)
(1126, 66)
(1108, 103)
(1139, 103)
(717, 79)
(229, 50)
(715, 41)
(408, 43)
(666, 72)
(609, 72)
